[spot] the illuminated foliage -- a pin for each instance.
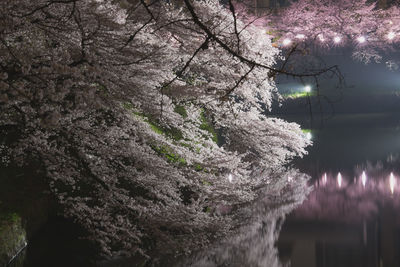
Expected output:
(329, 24)
(89, 88)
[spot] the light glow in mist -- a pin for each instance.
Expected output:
(300, 36)
(392, 182)
(363, 178)
(286, 42)
(361, 39)
(337, 39)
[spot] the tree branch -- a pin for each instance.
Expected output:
(243, 59)
(238, 83)
(232, 9)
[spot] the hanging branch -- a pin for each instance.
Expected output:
(243, 59)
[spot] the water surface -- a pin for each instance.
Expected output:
(351, 218)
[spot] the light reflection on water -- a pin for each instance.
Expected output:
(385, 182)
(346, 221)
(351, 217)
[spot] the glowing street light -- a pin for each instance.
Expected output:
(392, 182)
(307, 89)
(363, 178)
(361, 39)
(286, 42)
(391, 35)
(339, 179)
(337, 39)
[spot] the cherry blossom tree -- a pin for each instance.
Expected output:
(146, 118)
(371, 31)
(307, 31)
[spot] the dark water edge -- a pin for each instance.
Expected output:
(29, 215)
(59, 243)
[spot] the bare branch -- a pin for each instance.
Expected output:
(179, 73)
(148, 9)
(228, 92)
(232, 9)
(196, 19)
(130, 39)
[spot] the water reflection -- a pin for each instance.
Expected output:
(339, 179)
(392, 182)
(349, 219)
(374, 183)
(253, 243)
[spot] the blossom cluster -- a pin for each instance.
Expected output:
(148, 119)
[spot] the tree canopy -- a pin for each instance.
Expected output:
(147, 118)
(370, 30)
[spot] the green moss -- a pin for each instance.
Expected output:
(306, 130)
(181, 111)
(139, 115)
(205, 125)
(156, 128)
(186, 145)
(12, 236)
(169, 154)
(174, 133)
(275, 39)
(171, 132)
(127, 105)
(207, 183)
(189, 146)
(182, 161)
(198, 167)
(191, 80)
(207, 209)
(276, 35)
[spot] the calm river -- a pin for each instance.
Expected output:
(351, 217)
